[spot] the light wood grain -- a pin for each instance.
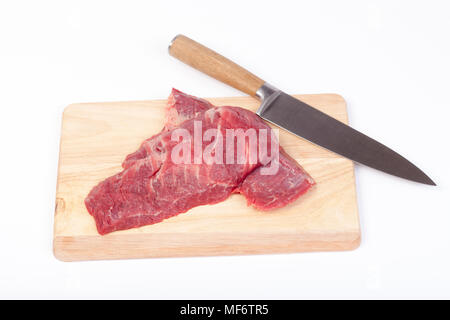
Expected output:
(96, 137)
(213, 64)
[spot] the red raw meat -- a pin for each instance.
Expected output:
(267, 192)
(152, 187)
(264, 192)
(180, 107)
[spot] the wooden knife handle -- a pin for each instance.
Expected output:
(214, 65)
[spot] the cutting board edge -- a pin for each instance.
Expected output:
(70, 106)
(76, 248)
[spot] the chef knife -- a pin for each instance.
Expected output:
(296, 116)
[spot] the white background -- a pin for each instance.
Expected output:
(389, 59)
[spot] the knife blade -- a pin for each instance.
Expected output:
(296, 116)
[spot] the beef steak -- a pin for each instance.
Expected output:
(152, 187)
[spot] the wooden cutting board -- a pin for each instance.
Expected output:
(96, 137)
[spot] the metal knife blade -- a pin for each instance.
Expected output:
(311, 124)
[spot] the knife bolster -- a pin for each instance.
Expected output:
(266, 93)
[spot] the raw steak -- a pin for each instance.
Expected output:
(152, 187)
